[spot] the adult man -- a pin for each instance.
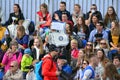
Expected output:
(116, 62)
(49, 68)
(14, 73)
(89, 72)
(60, 11)
(98, 32)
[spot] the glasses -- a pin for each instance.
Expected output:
(93, 8)
(103, 43)
(89, 44)
(84, 63)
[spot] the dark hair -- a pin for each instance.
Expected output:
(62, 2)
(96, 15)
(101, 23)
(45, 6)
(117, 57)
(18, 7)
(77, 5)
(53, 47)
(93, 5)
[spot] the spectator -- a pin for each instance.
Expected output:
(105, 46)
(49, 68)
(22, 38)
(26, 62)
(61, 10)
(110, 72)
(98, 33)
(110, 16)
(64, 67)
(83, 65)
(89, 72)
(94, 21)
(14, 73)
(37, 50)
(88, 49)
(102, 60)
(15, 16)
(116, 62)
(114, 34)
(81, 29)
(93, 10)
(77, 13)
(12, 54)
(43, 19)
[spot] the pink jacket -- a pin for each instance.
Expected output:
(74, 53)
(7, 60)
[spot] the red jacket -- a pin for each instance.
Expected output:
(47, 18)
(49, 68)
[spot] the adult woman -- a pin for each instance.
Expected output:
(110, 16)
(105, 46)
(95, 19)
(110, 72)
(37, 50)
(22, 38)
(102, 61)
(81, 29)
(15, 16)
(115, 34)
(77, 13)
(81, 68)
(43, 19)
(88, 49)
(12, 54)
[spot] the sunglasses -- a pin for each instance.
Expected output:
(89, 44)
(84, 63)
(11, 66)
(103, 43)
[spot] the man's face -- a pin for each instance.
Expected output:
(93, 8)
(116, 62)
(62, 7)
(99, 27)
(13, 67)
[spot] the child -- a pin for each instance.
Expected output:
(26, 62)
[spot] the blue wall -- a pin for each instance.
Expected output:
(30, 7)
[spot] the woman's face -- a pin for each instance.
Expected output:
(110, 11)
(80, 21)
(15, 8)
(36, 42)
(89, 45)
(94, 19)
(81, 53)
(99, 54)
(73, 45)
(84, 64)
(18, 32)
(103, 44)
(42, 9)
(112, 25)
(14, 47)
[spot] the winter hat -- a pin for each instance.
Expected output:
(52, 47)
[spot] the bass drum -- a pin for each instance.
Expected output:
(58, 39)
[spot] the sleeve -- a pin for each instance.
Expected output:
(22, 17)
(23, 62)
(17, 76)
(10, 19)
(7, 75)
(19, 57)
(46, 68)
(87, 74)
(91, 37)
(25, 41)
(5, 59)
(105, 35)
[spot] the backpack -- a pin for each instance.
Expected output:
(38, 70)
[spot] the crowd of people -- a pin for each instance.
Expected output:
(95, 56)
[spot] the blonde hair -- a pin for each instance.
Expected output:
(74, 41)
(41, 44)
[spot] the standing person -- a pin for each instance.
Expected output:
(89, 72)
(110, 72)
(15, 16)
(14, 73)
(49, 67)
(61, 10)
(110, 16)
(43, 19)
(11, 54)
